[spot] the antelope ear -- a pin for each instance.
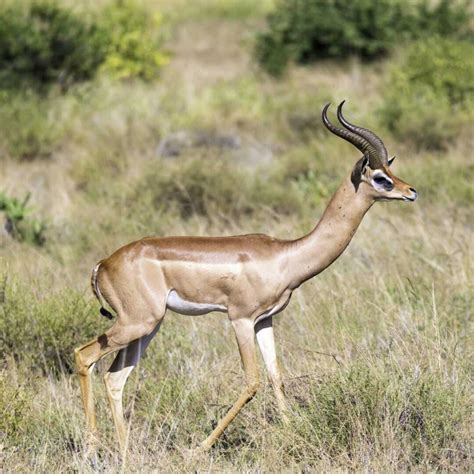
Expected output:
(358, 171)
(390, 161)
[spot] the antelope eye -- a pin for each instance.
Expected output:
(381, 180)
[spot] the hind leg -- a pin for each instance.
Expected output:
(116, 377)
(116, 338)
(86, 356)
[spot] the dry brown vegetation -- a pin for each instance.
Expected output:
(375, 351)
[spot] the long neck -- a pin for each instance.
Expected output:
(314, 252)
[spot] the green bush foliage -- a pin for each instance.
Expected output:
(430, 93)
(12, 409)
(23, 416)
(18, 223)
(42, 43)
(30, 125)
(304, 30)
(215, 189)
(133, 48)
(421, 411)
(42, 331)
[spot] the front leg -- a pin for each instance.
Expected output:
(244, 331)
(266, 342)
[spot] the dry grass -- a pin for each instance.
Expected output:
(376, 350)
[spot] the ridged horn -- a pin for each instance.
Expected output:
(358, 141)
(381, 155)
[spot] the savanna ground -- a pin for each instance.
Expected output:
(375, 351)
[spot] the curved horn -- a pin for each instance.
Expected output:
(358, 141)
(374, 140)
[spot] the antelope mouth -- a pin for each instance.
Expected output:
(412, 196)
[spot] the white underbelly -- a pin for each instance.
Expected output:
(190, 308)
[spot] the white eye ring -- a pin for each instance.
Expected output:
(382, 182)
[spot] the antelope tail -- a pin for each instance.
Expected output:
(98, 294)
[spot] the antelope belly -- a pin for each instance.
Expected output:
(190, 308)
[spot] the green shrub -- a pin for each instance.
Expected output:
(18, 224)
(213, 188)
(30, 126)
(429, 95)
(133, 48)
(42, 43)
(27, 419)
(445, 18)
(304, 30)
(15, 409)
(360, 405)
(42, 331)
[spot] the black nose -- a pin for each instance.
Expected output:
(413, 190)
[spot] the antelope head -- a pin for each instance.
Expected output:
(373, 169)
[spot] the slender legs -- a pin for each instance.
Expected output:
(266, 342)
(244, 332)
(116, 338)
(132, 347)
(117, 375)
(86, 356)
